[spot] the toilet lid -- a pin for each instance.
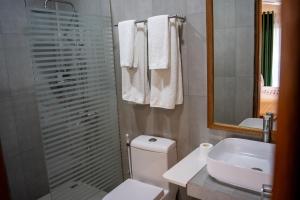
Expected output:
(135, 190)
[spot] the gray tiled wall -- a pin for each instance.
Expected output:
(234, 60)
(187, 124)
(19, 122)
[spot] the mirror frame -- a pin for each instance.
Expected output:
(210, 72)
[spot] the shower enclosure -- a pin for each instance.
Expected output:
(72, 59)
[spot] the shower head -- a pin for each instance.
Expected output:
(60, 1)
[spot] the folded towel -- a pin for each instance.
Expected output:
(158, 39)
(135, 85)
(126, 42)
(166, 84)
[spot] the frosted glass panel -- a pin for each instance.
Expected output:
(72, 58)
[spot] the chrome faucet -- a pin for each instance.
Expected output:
(266, 191)
(268, 127)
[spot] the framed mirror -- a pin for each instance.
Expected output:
(243, 63)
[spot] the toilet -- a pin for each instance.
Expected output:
(150, 158)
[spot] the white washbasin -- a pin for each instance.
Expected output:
(243, 163)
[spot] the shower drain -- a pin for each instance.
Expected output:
(257, 169)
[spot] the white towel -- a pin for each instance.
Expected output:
(135, 85)
(166, 84)
(158, 39)
(126, 42)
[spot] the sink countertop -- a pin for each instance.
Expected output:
(186, 169)
(204, 187)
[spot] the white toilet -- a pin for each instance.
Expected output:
(150, 158)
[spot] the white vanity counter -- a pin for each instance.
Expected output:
(181, 173)
(204, 187)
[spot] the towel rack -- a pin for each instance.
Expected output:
(174, 16)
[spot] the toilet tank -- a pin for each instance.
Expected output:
(151, 157)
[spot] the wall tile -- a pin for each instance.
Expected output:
(225, 52)
(19, 67)
(4, 82)
(12, 6)
(130, 9)
(142, 9)
(199, 132)
(195, 6)
(197, 121)
(1, 40)
(8, 134)
(9, 146)
(224, 13)
(13, 24)
(15, 40)
(245, 51)
(35, 174)
(145, 120)
(105, 7)
(245, 13)
(125, 111)
(197, 62)
(88, 7)
(16, 72)
(27, 121)
(173, 124)
(117, 11)
(197, 21)
(224, 94)
(16, 178)
(169, 7)
(1, 33)
(244, 98)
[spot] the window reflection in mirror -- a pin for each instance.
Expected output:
(270, 57)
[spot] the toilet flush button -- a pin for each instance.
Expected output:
(152, 140)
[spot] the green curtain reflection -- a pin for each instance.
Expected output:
(267, 46)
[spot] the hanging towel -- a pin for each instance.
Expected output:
(158, 37)
(135, 85)
(126, 42)
(166, 84)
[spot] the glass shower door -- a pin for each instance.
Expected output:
(72, 57)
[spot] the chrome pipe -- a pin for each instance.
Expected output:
(60, 1)
(183, 19)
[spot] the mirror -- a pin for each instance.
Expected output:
(243, 63)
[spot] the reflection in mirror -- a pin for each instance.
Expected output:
(244, 87)
(270, 64)
(234, 48)
(270, 57)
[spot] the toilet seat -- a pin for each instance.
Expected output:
(135, 190)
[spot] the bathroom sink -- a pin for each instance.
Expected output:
(243, 163)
